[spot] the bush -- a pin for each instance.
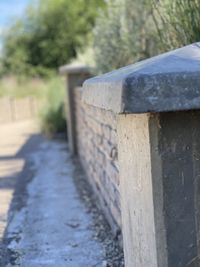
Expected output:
(129, 31)
(53, 121)
(177, 22)
(19, 87)
(52, 115)
(124, 34)
(48, 35)
(50, 94)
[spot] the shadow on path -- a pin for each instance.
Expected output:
(15, 174)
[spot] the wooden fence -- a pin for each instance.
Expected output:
(14, 109)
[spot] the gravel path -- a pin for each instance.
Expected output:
(53, 219)
(53, 227)
(16, 141)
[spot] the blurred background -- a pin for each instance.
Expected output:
(36, 37)
(39, 36)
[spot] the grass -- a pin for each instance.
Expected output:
(23, 87)
(53, 112)
(49, 92)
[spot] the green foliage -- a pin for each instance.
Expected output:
(19, 87)
(124, 34)
(129, 31)
(49, 35)
(50, 94)
(52, 116)
(53, 121)
(177, 22)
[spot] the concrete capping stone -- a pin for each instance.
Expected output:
(168, 82)
(75, 69)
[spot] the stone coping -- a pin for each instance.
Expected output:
(75, 69)
(168, 82)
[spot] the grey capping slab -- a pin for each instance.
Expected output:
(168, 82)
(75, 69)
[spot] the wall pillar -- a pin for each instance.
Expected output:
(136, 191)
(75, 76)
(159, 160)
(158, 107)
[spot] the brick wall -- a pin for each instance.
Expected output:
(97, 149)
(158, 153)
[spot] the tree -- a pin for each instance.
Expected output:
(49, 34)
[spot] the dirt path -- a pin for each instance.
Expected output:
(16, 141)
(48, 224)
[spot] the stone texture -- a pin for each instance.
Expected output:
(168, 82)
(75, 74)
(97, 148)
(136, 191)
(159, 163)
(178, 148)
(158, 155)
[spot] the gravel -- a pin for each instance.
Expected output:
(113, 251)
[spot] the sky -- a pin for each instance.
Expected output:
(10, 9)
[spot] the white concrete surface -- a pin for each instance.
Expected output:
(54, 228)
(13, 137)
